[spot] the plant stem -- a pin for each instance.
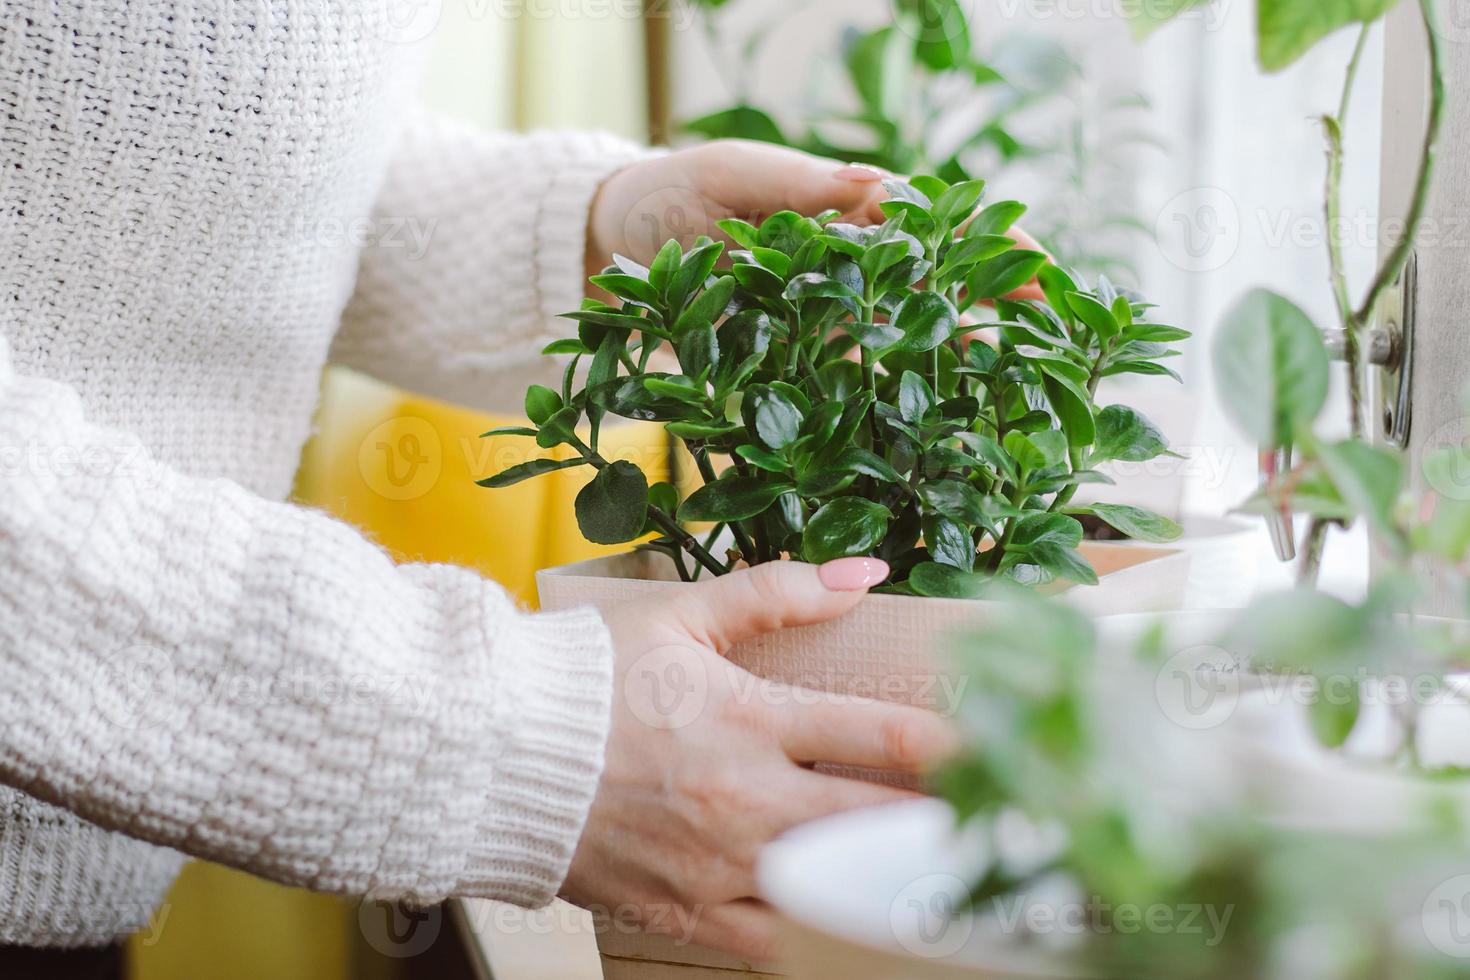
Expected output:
(742, 539)
(1399, 257)
(1336, 125)
(1307, 571)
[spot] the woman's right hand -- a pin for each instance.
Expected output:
(706, 763)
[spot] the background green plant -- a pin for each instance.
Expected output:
(1044, 713)
(926, 102)
(829, 365)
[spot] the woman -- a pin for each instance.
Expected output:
(175, 182)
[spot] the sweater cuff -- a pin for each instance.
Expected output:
(561, 225)
(546, 777)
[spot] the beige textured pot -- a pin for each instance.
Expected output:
(883, 648)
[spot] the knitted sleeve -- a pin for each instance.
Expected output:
(479, 244)
(253, 683)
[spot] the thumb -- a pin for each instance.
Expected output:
(721, 612)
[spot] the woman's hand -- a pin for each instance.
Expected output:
(706, 763)
(683, 194)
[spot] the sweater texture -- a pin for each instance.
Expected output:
(202, 202)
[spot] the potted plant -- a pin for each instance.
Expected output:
(1303, 760)
(826, 389)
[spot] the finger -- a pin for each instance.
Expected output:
(852, 731)
(814, 795)
(723, 611)
(819, 185)
(746, 928)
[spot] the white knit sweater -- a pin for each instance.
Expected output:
(185, 660)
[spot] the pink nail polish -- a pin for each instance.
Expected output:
(860, 173)
(852, 574)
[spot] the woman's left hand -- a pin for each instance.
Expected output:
(683, 194)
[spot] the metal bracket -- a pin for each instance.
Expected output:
(1389, 347)
(1397, 317)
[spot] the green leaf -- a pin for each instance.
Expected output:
(1004, 274)
(698, 350)
(940, 581)
(731, 498)
(926, 319)
(1124, 434)
(881, 255)
(665, 264)
(846, 527)
(874, 336)
(707, 307)
(541, 403)
(1137, 523)
(742, 233)
(626, 287)
(524, 471)
(879, 65)
(1369, 479)
(1097, 316)
(1271, 367)
(855, 459)
(943, 34)
(771, 416)
(763, 458)
(949, 542)
(1287, 29)
(560, 428)
(957, 500)
(740, 122)
(915, 398)
(955, 204)
(1041, 528)
(1332, 717)
(1023, 451)
(569, 345)
(1073, 406)
(1063, 562)
(996, 219)
(1147, 17)
(701, 430)
(508, 430)
(815, 285)
(694, 270)
(613, 508)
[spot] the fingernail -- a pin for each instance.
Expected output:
(852, 574)
(860, 173)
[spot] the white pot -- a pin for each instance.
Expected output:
(1225, 556)
(873, 895)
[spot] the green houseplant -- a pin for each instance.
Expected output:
(827, 369)
(1288, 787)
